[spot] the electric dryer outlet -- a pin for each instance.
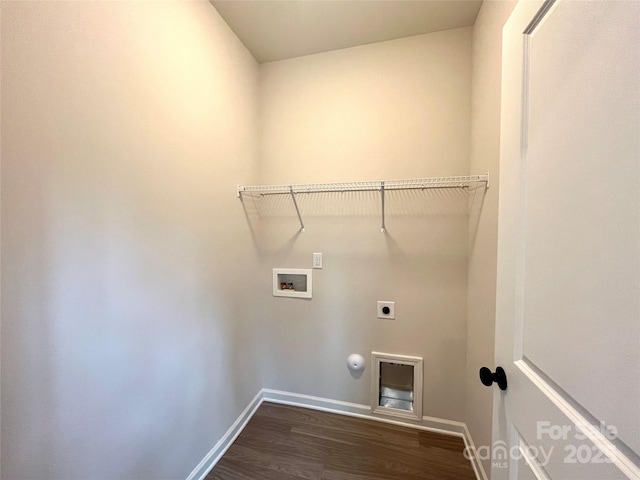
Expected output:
(386, 310)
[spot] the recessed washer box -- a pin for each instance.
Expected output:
(292, 282)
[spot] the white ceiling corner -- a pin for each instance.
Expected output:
(278, 29)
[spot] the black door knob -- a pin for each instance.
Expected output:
(500, 377)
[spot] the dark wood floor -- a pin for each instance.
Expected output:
(287, 443)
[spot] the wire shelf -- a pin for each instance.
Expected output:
(408, 184)
(376, 186)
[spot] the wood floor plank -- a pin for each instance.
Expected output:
(279, 462)
(305, 447)
(353, 434)
(287, 443)
(449, 442)
(333, 475)
(234, 470)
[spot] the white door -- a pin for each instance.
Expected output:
(568, 302)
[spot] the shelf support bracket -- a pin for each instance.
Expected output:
(295, 204)
(383, 229)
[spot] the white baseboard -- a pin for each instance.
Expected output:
(215, 454)
(478, 468)
(315, 403)
(432, 424)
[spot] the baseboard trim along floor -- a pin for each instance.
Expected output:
(214, 455)
(432, 424)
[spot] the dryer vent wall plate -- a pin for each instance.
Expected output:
(396, 385)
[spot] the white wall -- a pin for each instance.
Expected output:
(126, 342)
(483, 223)
(398, 109)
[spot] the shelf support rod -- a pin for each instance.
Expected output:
(383, 229)
(295, 204)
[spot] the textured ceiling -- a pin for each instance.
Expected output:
(275, 30)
